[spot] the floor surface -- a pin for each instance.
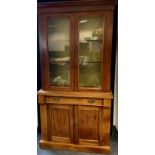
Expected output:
(113, 144)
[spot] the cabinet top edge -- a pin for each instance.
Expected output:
(101, 95)
(74, 3)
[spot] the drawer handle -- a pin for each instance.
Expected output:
(56, 98)
(91, 101)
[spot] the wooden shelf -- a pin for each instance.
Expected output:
(93, 62)
(86, 63)
(58, 51)
(94, 39)
(58, 62)
(87, 41)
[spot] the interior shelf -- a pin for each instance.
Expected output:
(92, 62)
(58, 62)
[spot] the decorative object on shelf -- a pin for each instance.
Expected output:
(98, 34)
(60, 81)
(83, 60)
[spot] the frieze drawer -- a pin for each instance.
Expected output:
(79, 101)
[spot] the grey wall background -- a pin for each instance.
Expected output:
(115, 112)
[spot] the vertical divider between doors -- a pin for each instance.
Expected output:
(72, 74)
(71, 123)
(75, 125)
(76, 28)
(75, 69)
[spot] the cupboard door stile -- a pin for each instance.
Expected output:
(106, 121)
(44, 125)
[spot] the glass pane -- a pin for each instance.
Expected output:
(90, 75)
(59, 74)
(90, 51)
(59, 51)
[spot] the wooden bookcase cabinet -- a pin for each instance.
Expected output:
(75, 40)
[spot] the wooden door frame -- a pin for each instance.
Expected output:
(43, 42)
(107, 49)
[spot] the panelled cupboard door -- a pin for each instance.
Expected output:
(60, 123)
(56, 46)
(89, 125)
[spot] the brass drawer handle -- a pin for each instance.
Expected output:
(56, 98)
(91, 101)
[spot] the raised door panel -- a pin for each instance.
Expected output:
(89, 125)
(60, 123)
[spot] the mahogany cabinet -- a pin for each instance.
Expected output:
(75, 41)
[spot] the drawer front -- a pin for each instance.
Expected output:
(76, 101)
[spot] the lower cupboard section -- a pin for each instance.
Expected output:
(74, 127)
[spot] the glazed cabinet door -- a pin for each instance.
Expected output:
(90, 50)
(89, 125)
(56, 47)
(75, 51)
(60, 123)
(94, 38)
